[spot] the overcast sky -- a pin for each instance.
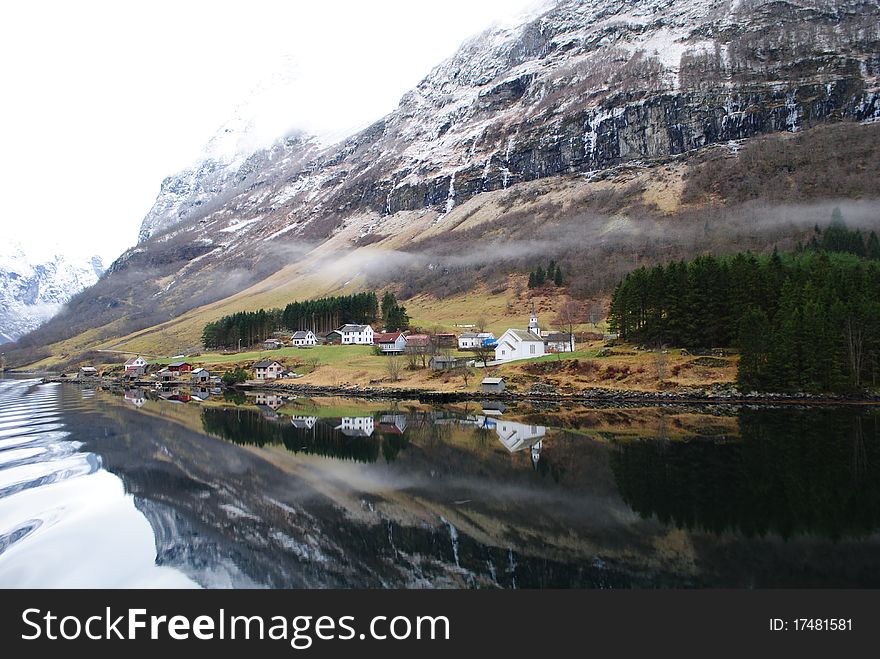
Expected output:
(102, 100)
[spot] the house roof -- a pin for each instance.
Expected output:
(353, 328)
(524, 335)
(132, 361)
(301, 334)
(386, 337)
(468, 335)
(199, 370)
(88, 368)
(558, 336)
(445, 333)
(417, 339)
(443, 358)
(273, 341)
(265, 363)
(492, 381)
(178, 364)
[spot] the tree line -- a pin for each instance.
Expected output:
(802, 321)
(322, 315)
(540, 277)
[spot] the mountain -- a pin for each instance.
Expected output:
(32, 292)
(595, 132)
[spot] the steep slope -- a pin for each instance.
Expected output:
(602, 105)
(31, 293)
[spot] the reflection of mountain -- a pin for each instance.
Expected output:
(794, 472)
(452, 509)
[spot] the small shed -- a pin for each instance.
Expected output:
(272, 344)
(492, 385)
(201, 375)
(443, 363)
(88, 372)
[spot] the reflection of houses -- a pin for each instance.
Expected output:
(517, 436)
(267, 369)
(304, 339)
(303, 422)
(394, 424)
(273, 401)
(135, 397)
(135, 364)
(390, 343)
(201, 393)
(356, 334)
(356, 426)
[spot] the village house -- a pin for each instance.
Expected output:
(492, 385)
(559, 342)
(135, 363)
(356, 334)
(180, 367)
(418, 343)
(272, 344)
(88, 372)
(446, 340)
(521, 344)
(134, 373)
(303, 339)
(331, 338)
(445, 363)
(200, 375)
(390, 343)
(267, 369)
(165, 375)
(474, 340)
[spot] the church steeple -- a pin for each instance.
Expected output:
(533, 322)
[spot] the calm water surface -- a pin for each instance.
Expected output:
(188, 488)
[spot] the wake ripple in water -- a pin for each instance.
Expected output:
(65, 521)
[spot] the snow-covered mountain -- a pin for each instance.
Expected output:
(32, 291)
(629, 97)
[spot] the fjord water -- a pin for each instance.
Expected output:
(190, 488)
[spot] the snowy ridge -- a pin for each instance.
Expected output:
(32, 292)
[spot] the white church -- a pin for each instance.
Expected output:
(521, 343)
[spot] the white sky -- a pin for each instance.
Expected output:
(102, 100)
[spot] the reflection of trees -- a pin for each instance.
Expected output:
(249, 427)
(794, 471)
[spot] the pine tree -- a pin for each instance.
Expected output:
(557, 278)
(532, 279)
(540, 277)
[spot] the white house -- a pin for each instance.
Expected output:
(135, 364)
(559, 342)
(390, 342)
(356, 334)
(268, 369)
(471, 340)
(201, 375)
(304, 339)
(519, 343)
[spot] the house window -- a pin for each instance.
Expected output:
(532, 348)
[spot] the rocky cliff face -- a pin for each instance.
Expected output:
(581, 88)
(31, 293)
(586, 85)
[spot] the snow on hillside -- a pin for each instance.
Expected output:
(34, 290)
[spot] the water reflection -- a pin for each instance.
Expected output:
(269, 490)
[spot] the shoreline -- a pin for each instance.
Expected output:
(594, 395)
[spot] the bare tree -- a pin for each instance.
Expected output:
(393, 366)
(594, 313)
(569, 315)
(481, 324)
(853, 332)
(484, 353)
